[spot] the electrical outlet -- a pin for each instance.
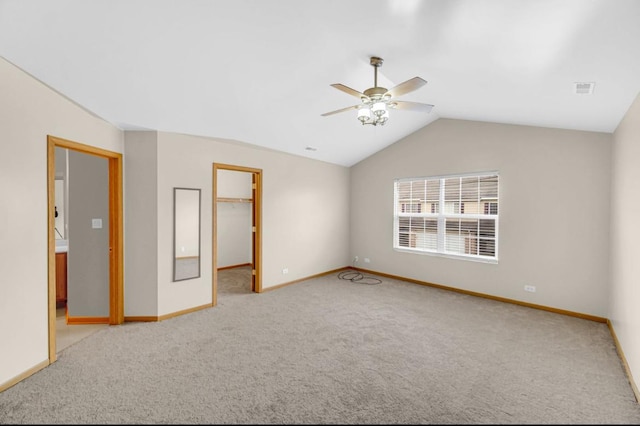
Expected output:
(367, 260)
(355, 259)
(530, 288)
(285, 271)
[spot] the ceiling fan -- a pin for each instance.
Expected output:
(375, 102)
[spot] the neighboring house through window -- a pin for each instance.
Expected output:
(411, 207)
(490, 208)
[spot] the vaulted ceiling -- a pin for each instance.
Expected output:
(259, 71)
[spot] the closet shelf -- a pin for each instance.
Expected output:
(234, 200)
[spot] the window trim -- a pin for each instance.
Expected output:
(441, 215)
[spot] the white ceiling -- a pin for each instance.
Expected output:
(259, 71)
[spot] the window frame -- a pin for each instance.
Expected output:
(441, 215)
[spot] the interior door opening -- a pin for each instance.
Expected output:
(114, 251)
(239, 189)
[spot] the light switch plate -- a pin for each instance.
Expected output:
(96, 223)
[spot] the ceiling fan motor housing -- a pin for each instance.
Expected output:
(376, 93)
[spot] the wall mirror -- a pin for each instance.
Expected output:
(186, 233)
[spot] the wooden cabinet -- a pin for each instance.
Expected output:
(61, 280)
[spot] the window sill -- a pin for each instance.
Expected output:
(448, 256)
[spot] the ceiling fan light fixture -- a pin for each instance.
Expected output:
(364, 114)
(379, 108)
(380, 120)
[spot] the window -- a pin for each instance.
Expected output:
(466, 226)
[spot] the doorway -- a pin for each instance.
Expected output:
(115, 249)
(255, 202)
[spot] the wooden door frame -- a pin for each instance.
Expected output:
(116, 241)
(256, 279)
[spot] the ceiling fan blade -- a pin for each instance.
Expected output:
(411, 106)
(408, 86)
(340, 110)
(350, 91)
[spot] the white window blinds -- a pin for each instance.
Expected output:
(452, 215)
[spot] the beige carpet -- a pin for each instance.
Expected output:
(331, 351)
(234, 281)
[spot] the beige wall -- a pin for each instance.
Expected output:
(544, 239)
(625, 234)
(304, 216)
(140, 224)
(304, 221)
(29, 111)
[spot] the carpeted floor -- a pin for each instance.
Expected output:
(333, 351)
(234, 281)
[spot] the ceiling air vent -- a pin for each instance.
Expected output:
(583, 88)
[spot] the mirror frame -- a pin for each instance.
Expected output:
(176, 221)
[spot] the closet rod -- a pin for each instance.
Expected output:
(234, 200)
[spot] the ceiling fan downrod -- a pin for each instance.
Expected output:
(375, 63)
(375, 93)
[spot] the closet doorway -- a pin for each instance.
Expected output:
(239, 189)
(115, 231)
